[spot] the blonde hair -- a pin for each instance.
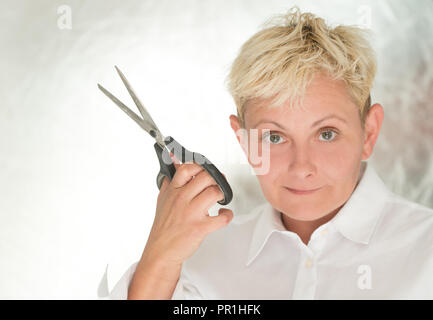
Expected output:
(278, 62)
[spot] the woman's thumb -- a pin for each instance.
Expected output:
(227, 214)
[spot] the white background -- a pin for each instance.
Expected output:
(77, 176)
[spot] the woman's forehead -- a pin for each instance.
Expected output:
(322, 98)
(306, 111)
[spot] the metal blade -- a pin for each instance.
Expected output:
(153, 131)
(146, 116)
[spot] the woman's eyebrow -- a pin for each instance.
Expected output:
(328, 117)
(269, 121)
(312, 126)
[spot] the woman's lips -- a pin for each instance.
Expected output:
(302, 191)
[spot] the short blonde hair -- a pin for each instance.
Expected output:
(278, 62)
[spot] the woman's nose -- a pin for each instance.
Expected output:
(301, 162)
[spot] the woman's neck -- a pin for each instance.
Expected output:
(304, 229)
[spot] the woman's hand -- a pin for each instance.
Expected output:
(181, 221)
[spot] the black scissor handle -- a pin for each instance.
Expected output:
(167, 168)
(184, 155)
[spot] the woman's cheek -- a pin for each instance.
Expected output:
(270, 178)
(340, 160)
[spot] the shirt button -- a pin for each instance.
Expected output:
(308, 263)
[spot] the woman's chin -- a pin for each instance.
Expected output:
(300, 212)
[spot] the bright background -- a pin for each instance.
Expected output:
(77, 176)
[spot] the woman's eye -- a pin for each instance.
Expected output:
(328, 135)
(272, 138)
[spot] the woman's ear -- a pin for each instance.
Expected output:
(240, 132)
(373, 123)
(236, 125)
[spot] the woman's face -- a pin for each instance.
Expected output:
(319, 146)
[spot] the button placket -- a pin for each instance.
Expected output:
(305, 283)
(306, 280)
(318, 240)
(308, 262)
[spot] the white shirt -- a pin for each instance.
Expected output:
(378, 246)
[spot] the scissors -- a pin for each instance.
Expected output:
(164, 145)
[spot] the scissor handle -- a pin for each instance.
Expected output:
(168, 169)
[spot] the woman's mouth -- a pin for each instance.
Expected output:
(300, 192)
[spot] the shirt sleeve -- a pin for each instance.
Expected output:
(184, 289)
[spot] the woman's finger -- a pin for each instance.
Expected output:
(185, 173)
(175, 161)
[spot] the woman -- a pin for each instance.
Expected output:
(330, 228)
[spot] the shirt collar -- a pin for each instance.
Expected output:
(356, 220)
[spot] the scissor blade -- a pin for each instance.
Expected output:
(145, 126)
(146, 116)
